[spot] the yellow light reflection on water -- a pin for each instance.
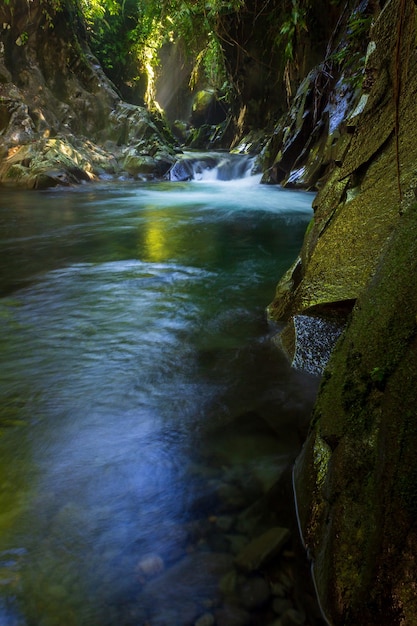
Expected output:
(156, 242)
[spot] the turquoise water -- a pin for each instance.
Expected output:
(143, 409)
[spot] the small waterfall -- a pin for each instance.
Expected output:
(211, 166)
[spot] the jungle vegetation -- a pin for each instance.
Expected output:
(127, 36)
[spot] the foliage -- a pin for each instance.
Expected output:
(293, 16)
(351, 53)
(49, 10)
(128, 34)
(294, 23)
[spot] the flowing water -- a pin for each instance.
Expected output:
(143, 409)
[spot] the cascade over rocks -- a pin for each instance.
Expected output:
(61, 119)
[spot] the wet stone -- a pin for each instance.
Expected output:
(174, 616)
(196, 576)
(219, 543)
(292, 617)
(224, 522)
(280, 605)
(262, 549)
(228, 584)
(254, 593)
(286, 581)
(231, 615)
(237, 542)
(207, 619)
(231, 498)
(279, 590)
(150, 565)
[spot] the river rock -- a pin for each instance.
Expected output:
(196, 576)
(292, 617)
(236, 542)
(281, 605)
(262, 549)
(254, 593)
(231, 498)
(150, 565)
(231, 615)
(48, 163)
(278, 589)
(355, 479)
(72, 130)
(181, 170)
(185, 613)
(207, 619)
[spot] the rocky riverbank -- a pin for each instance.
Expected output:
(61, 120)
(236, 563)
(355, 499)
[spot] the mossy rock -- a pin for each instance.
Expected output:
(208, 108)
(47, 163)
(357, 503)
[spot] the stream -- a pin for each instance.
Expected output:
(147, 423)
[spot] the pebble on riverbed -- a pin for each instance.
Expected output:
(150, 565)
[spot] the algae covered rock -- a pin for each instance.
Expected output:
(355, 479)
(359, 204)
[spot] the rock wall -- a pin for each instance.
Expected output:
(61, 119)
(358, 200)
(354, 480)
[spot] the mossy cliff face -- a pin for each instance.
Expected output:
(355, 479)
(358, 203)
(61, 119)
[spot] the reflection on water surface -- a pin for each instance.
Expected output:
(145, 419)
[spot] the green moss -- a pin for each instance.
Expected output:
(321, 458)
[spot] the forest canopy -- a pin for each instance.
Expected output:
(128, 35)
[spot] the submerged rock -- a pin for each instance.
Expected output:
(207, 619)
(196, 576)
(254, 593)
(231, 615)
(262, 549)
(150, 565)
